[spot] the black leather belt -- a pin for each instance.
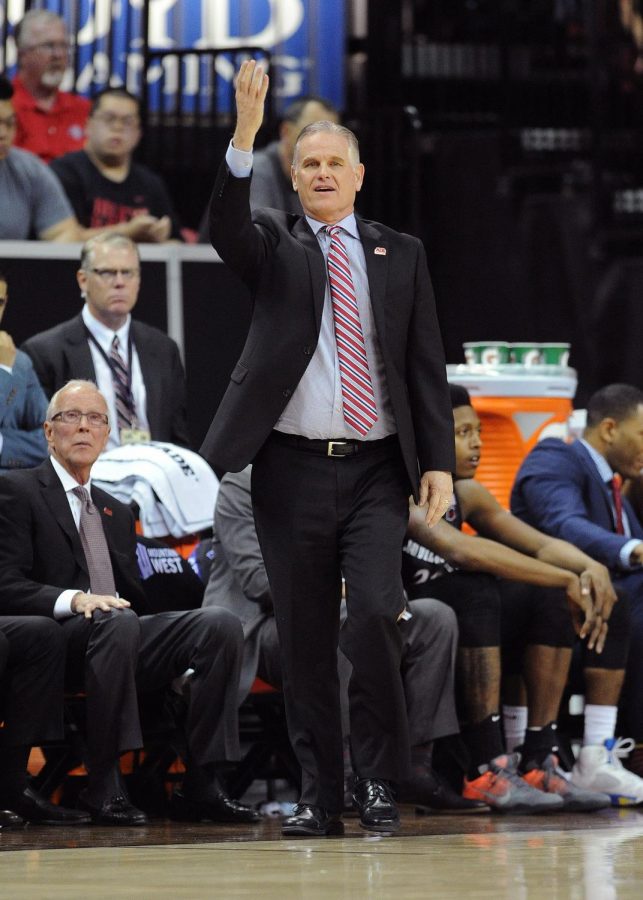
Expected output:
(336, 447)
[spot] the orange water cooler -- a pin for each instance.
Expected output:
(517, 406)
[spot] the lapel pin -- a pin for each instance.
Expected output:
(380, 251)
(107, 511)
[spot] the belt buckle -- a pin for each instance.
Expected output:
(332, 445)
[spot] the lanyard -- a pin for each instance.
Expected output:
(112, 368)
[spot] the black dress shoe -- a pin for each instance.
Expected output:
(429, 792)
(311, 821)
(9, 819)
(375, 805)
(215, 806)
(115, 810)
(31, 807)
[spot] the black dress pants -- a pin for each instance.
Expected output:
(114, 656)
(31, 681)
(320, 518)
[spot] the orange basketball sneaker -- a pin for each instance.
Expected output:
(502, 788)
(550, 778)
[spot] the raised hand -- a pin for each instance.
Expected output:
(250, 95)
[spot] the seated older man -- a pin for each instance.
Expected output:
(68, 552)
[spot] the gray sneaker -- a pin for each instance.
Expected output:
(502, 788)
(550, 778)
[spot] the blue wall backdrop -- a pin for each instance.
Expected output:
(305, 38)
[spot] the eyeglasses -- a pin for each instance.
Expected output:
(111, 119)
(111, 275)
(75, 417)
(51, 47)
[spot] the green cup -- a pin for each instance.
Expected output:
(486, 353)
(471, 352)
(555, 353)
(526, 353)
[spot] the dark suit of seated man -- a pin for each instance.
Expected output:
(136, 367)
(73, 559)
(568, 490)
(32, 668)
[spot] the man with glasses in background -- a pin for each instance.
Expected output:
(50, 121)
(136, 366)
(104, 184)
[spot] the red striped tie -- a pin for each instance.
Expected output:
(617, 482)
(360, 411)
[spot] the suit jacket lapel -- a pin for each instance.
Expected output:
(78, 352)
(56, 499)
(377, 271)
(149, 360)
(589, 465)
(104, 507)
(316, 265)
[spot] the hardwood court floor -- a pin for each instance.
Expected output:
(564, 857)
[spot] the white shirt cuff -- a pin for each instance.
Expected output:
(626, 552)
(62, 607)
(239, 161)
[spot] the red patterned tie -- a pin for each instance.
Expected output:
(360, 411)
(617, 481)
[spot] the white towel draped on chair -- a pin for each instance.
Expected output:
(174, 488)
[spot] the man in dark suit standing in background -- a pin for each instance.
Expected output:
(137, 368)
(68, 552)
(339, 392)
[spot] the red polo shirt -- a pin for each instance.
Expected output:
(53, 132)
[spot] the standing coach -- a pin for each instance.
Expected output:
(339, 393)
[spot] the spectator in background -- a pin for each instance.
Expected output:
(32, 200)
(137, 367)
(23, 405)
(271, 179)
(103, 183)
(36, 200)
(50, 121)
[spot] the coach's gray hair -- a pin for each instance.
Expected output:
(333, 128)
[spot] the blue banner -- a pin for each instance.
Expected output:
(304, 37)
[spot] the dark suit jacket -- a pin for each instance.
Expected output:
(279, 257)
(40, 550)
(559, 491)
(62, 353)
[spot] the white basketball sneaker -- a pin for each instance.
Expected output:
(599, 768)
